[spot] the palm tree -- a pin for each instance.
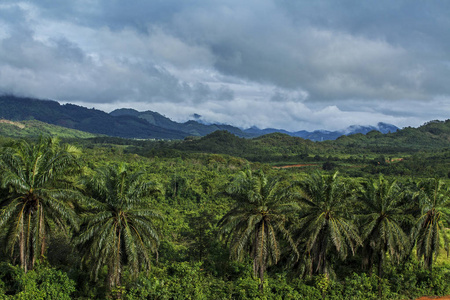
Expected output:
(325, 221)
(434, 201)
(383, 213)
(120, 228)
(255, 224)
(40, 195)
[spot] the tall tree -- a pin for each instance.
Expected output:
(120, 229)
(383, 214)
(434, 202)
(325, 220)
(257, 222)
(40, 195)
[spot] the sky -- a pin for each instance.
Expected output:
(286, 64)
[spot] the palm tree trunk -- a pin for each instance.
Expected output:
(114, 271)
(261, 262)
(254, 255)
(428, 261)
(380, 274)
(367, 260)
(431, 263)
(261, 279)
(118, 269)
(371, 261)
(22, 246)
(322, 250)
(41, 232)
(258, 257)
(29, 246)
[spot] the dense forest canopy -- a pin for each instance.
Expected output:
(223, 217)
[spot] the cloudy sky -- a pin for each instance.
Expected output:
(288, 64)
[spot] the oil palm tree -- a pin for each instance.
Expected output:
(434, 202)
(325, 221)
(120, 228)
(384, 211)
(40, 195)
(257, 222)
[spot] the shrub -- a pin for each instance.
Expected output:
(41, 283)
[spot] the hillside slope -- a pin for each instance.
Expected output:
(431, 135)
(81, 118)
(34, 128)
(191, 128)
(130, 123)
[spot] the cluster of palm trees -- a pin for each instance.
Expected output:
(306, 222)
(323, 215)
(107, 214)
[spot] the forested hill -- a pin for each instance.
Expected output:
(125, 123)
(34, 129)
(81, 118)
(431, 135)
(129, 123)
(270, 147)
(277, 146)
(191, 128)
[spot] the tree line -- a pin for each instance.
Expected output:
(247, 227)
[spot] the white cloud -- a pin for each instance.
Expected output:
(314, 65)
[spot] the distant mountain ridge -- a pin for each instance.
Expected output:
(323, 135)
(432, 136)
(196, 128)
(130, 123)
(81, 118)
(191, 128)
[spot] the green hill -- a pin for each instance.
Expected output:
(270, 147)
(125, 123)
(81, 118)
(191, 128)
(431, 135)
(34, 128)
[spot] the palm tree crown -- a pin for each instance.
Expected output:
(325, 220)
(120, 229)
(253, 226)
(434, 201)
(383, 213)
(39, 190)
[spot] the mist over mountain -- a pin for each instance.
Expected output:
(189, 128)
(322, 135)
(130, 123)
(198, 128)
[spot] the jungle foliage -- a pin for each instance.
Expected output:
(224, 218)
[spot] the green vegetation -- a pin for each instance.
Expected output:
(257, 220)
(39, 195)
(324, 223)
(217, 218)
(120, 123)
(119, 227)
(34, 128)
(383, 214)
(433, 202)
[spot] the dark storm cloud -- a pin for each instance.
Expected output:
(333, 50)
(333, 64)
(322, 63)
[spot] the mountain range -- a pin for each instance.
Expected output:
(130, 123)
(322, 135)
